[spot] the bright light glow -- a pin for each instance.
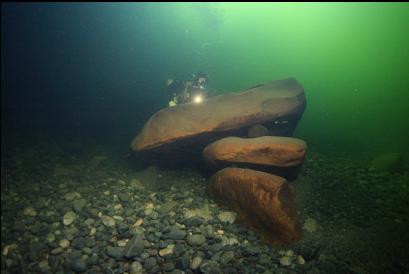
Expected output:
(197, 99)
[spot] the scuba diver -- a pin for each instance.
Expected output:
(189, 91)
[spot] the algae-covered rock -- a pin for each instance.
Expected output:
(389, 162)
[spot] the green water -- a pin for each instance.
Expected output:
(352, 59)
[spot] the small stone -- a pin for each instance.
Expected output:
(50, 237)
(79, 265)
(138, 223)
(166, 251)
(300, 259)
(108, 221)
(194, 221)
(118, 207)
(227, 217)
(196, 262)
(118, 218)
(89, 222)
(122, 243)
(93, 260)
(57, 251)
(64, 243)
(134, 247)
(149, 209)
(115, 252)
(168, 206)
(289, 253)
(72, 196)
(167, 267)
(78, 243)
(136, 268)
(9, 248)
(78, 205)
(44, 265)
(310, 225)
(69, 218)
(124, 197)
(92, 231)
(285, 261)
(87, 250)
(175, 234)
(29, 211)
(196, 239)
(230, 241)
(150, 263)
(226, 257)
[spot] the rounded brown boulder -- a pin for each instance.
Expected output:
(264, 201)
(266, 150)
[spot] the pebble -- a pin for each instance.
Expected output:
(89, 222)
(57, 250)
(175, 234)
(118, 218)
(138, 223)
(168, 206)
(285, 261)
(136, 268)
(9, 248)
(310, 225)
(78, 205)
(87, 250)
(71, 196)
(134, 247)
(44, 265)
(300, 259)
(196, 239)
(166, 251)
(64, 243)
(29, 211)
(108, 221)
(79, 265)
(149, 263)
(50, 237)
(69, 218)
(227, 217)
(115, 252)
(167, 267)
(194, 221)
(196, 262)
(226, 257)
(149, 209)
(122, 243)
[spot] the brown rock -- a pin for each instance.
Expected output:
(264, 201)
(267, 150)
(181, 132)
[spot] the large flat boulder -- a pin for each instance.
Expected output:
(267, 150)
(183, 131)
(264, 201)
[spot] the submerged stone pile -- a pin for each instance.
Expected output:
(244, 130)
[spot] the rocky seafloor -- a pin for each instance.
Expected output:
(90, 211)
